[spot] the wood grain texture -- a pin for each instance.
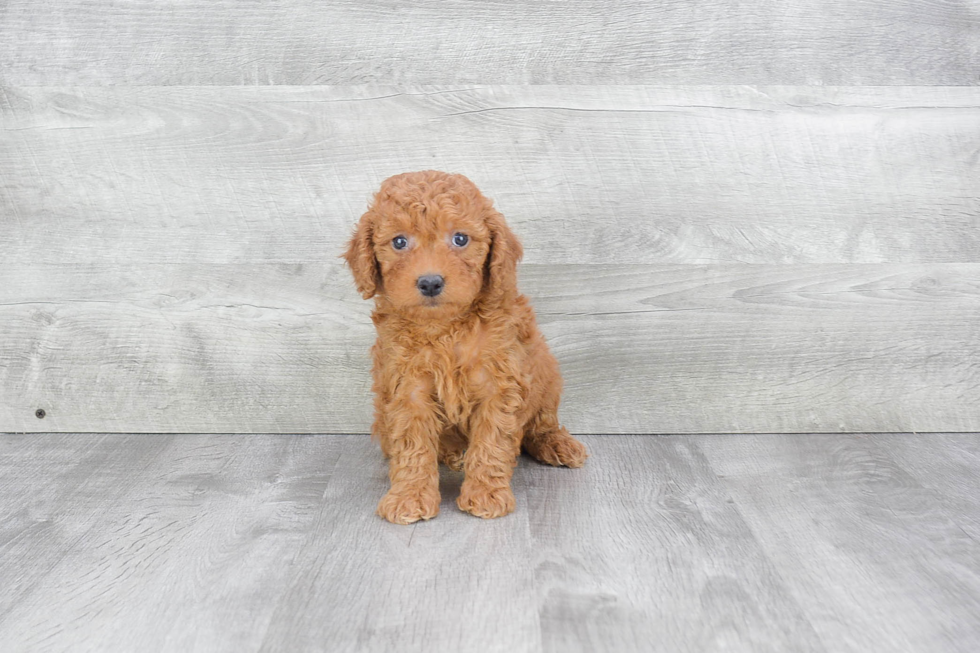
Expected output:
(584, 174)
(184, 550)
(833, 511)
(42, 480)
(945, 463)
(681, 348)
(642, 550)
(250, 543)
(143, 42)
(799, 259)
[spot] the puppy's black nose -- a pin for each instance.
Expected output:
(430, 285)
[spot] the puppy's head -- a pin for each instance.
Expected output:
(431, 245)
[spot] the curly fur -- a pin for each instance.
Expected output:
(466, 377)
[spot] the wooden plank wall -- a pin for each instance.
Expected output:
(734, 221)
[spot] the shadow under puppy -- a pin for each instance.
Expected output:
(462, 374)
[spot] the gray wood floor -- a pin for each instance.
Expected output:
(116, 542)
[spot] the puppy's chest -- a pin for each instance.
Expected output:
(462, 368)
(468, 381)
(467, 360)
(469, 350)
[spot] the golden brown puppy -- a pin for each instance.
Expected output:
(461, 373)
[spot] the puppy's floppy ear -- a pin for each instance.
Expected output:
(505, 252)
(360, 257)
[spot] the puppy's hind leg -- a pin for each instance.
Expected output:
(549, 442)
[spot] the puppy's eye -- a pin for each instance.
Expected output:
(399, 242)
(460, 240)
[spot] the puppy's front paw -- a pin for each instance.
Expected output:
(407, 506)
(482, 501)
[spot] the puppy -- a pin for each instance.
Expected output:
(461, 373)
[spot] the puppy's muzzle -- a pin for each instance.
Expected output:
(430, 285)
